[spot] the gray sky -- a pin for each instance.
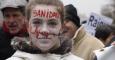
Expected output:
(87, 6)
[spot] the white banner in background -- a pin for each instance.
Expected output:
(95, 20)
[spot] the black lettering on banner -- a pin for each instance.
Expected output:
(95, 23)
(91, 20)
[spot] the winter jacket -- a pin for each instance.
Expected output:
(107, 53)
(85, 44)
(6, 49)
(27, 51)
(19, 55)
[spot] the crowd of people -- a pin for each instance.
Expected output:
(48, 30)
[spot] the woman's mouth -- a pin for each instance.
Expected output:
(44, 38)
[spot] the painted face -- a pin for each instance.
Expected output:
(70, 29)
(44, 27)
(14, 20)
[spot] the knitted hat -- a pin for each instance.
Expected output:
(71, 14)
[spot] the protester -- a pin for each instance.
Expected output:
(13, 25)
(107, 53)
(113, 33)
(104, 33)
(84, 43)
(45, 20)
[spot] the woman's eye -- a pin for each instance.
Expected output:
(36, 22)
(52, 23)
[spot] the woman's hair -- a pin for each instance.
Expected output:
(33, 3)
(103, 31)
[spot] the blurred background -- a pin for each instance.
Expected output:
(85, 7)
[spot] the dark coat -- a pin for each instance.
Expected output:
(6, 49)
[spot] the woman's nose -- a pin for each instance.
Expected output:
(44, 31)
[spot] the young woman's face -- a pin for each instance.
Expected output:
(44, 26)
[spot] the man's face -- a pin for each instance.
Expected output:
(69, 29)
(14, 20)
(44, 26)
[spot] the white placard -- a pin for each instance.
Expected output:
(95, 20)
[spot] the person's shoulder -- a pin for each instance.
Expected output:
(106, 53)
(99, 51)
(19, 55)
(71, 56)
(94, 40)
(14, 58)
(105, 49)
